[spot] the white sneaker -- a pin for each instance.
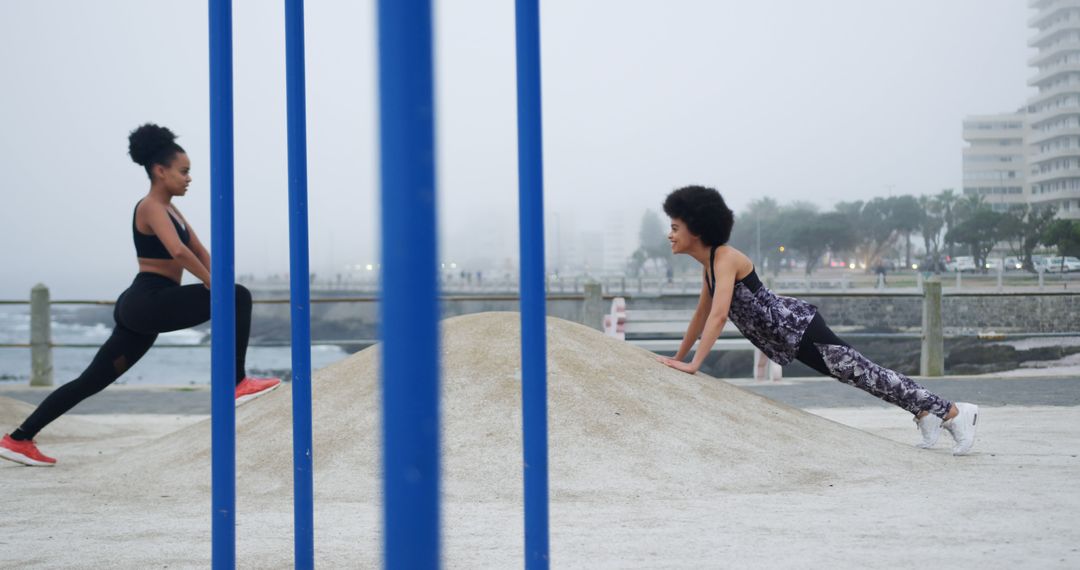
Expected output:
(962, 427)
(930, 427)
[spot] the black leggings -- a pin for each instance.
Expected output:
(152, 304)
(817, 333)
(823, 351)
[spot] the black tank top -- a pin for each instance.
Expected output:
(773, 323)
(750, 280)
(149, 246)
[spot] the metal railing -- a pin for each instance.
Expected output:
(41, 343)
(792, 281)
(592, 296)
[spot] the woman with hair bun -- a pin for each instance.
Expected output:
(785, 328)
(165, 246)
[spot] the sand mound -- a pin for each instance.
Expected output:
(615, 415)
(13, 412)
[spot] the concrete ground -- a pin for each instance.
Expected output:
(650, 468)
(812, 392)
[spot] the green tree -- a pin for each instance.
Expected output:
(875, 233)
(966, 207)
(653, 244)
(1023, 227)
(906, 216)
(979, 231)
(930, 226)
(947, 199)
(1063, 235)
(636, 263)
(813, 234)
(759, 232)
(781, 230)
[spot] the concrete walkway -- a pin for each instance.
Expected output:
(815, 392)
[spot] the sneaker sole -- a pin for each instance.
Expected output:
(964, 450)
(22, 459)
(248, 397)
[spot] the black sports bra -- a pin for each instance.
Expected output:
(149, 246)
(750, 280)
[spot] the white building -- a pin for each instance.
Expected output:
(562, 244)
(1054, 112)
(994, 160)
(617, 247)
(600, 246)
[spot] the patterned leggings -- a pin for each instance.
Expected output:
(823, 351)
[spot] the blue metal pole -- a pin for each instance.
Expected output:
(222, 295)
(533, 310)
(409, 309)
(303, 489)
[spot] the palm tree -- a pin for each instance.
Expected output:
(932, 222)
(906, 217)
(947, 199)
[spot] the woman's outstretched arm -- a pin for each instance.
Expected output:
(161, 224)
(715, 319)
(196, 246)
(697, 324)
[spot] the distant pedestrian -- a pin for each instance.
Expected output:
(156, 302)
(785, 328)
(880, 270)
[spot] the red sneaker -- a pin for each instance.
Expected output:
(250, 388)
(24, 452)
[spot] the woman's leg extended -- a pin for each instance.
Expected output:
(174, 307)
(157, 304)
(823, 351)
(123, 349)
(243, 329)
(247, 388)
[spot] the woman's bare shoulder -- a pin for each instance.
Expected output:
(177, 211)
(735, 261)
(148, 205)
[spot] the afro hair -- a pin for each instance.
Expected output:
(151, 144)
(703, 211)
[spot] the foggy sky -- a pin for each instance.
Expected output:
(821, 101)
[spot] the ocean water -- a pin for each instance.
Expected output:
(161, 365)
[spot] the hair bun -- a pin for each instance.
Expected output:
(148, 141)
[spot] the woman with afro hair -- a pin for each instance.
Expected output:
(165, 246)
(785, 328)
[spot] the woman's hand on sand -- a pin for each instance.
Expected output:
(678, 364)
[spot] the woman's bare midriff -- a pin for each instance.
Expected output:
(167, 267)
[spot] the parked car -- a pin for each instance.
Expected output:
(1038, 262)
(961, 263)
(1059, 264)
(928, 263)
